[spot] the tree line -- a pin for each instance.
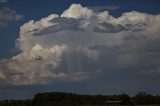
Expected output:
(70, 99)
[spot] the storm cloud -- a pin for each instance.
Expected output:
(81, 44)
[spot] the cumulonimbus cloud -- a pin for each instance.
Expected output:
(72, 46)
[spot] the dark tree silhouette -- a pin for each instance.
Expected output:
(70, 99)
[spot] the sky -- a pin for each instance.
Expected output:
(79, 46)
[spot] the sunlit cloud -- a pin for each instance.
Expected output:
(73, 46)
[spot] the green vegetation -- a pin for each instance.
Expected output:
(70, 99)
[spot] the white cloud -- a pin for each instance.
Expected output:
(74, 45)
(78, 12)
(8, 15)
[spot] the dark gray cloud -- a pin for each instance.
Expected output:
(104, 48)
(62, 24)
(110, 28)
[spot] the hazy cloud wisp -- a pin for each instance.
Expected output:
(8, 15)
(3, 1)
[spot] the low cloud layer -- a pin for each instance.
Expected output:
(8, 15)
(81, 44)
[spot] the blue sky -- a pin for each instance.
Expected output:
(97, 73)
